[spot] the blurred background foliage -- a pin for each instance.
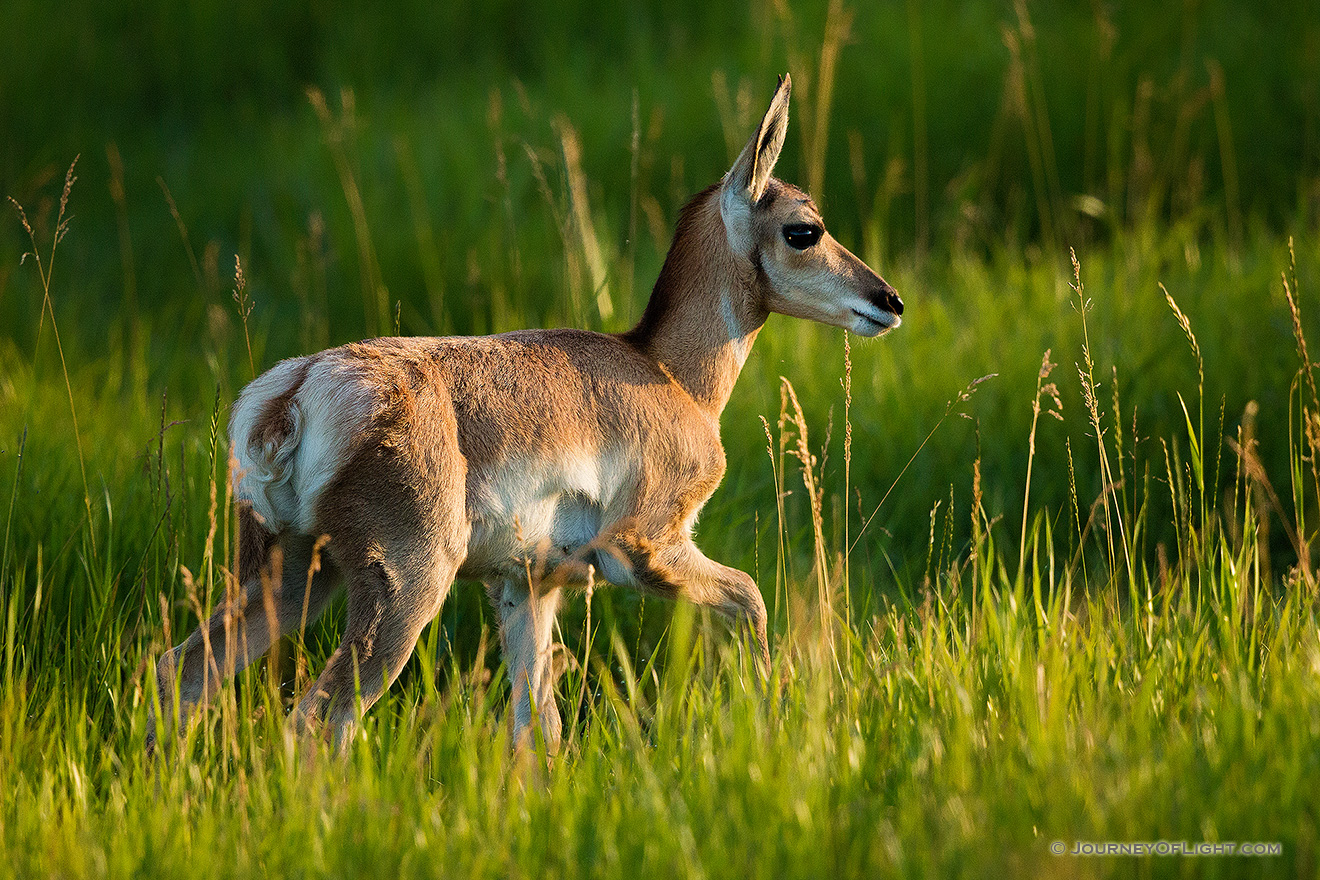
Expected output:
(950, 126)
(437, 168)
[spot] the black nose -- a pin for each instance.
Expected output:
(887, 298)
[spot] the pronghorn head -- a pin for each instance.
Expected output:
(803, 271)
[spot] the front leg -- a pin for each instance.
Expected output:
(677, 568)
(527, 619)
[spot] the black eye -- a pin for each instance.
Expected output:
(801, 235)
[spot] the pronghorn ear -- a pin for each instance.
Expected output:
(746, 181)
(752, 171)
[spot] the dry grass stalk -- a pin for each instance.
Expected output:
(1072, 493)
(802, 452)
(45, 270)
(337, 130)
(572, 260)
(1310, 414)
(781, 551)
(961, 397)
(1043, 389)
(1255, 471)
(735, 110)
(1089, 397)
(183, 233)
(847, 472)
(117, 195)
(838, 27)
(428, 251)
(245, 304)
(586, 231)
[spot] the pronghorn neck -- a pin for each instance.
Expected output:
(704, 312)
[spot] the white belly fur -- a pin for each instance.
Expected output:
(542, 511)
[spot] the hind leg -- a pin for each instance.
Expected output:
(241, 631)
(400, 537)
(396, 513)
(527, 620)
(390, 601)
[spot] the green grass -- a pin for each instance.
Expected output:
(944, 704)
(958, 722)
(965, 736)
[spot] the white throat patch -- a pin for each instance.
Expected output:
(733, 327)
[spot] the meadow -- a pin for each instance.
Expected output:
(1040, 564)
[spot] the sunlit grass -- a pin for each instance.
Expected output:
(991, 631)
(975, 706)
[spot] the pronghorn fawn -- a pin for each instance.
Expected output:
(427, 459)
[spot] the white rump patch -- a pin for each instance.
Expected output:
(283, 480)
(337, 406)
(261, 475)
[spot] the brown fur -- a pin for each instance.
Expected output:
(432, 446)
(254, 543)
